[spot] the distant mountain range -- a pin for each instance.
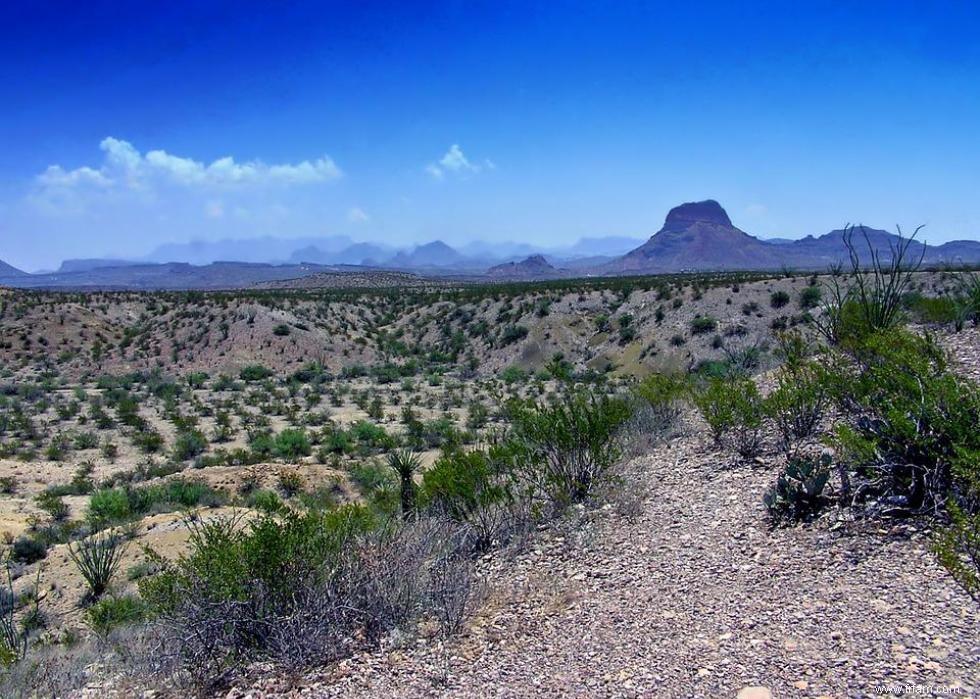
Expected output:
(695, 236)
(472, 258)
(701, 236)
(9, 272)
(533, 267)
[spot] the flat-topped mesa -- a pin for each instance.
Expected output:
(707, 211)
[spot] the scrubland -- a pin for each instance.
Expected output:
(408, 490)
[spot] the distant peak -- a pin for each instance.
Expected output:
(708, 211)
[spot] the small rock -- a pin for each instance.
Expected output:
(754, 693)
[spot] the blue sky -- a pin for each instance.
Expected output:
(123, 126)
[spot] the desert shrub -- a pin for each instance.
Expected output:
(113, 505)
(28, 549)
(188, 444)
(745, 434)
(296, 588)
(798, 493)
(910, 420)
(97, 559)
(798, 402)
(733, 409)
(370, 436)
(810, 297)
(566, 448)
(370, 477)
(262, 443)
(714, 400)
(703, 324)
(281, 330)
(434, 433)
(778, 299)
(292, 444)
(53, 505)
(471, 488)
(86, 440)
(113, 612)
(958, 547)
(108, 505)
(663, 393)
(338, 442)
(290, 483)
(513, 374)
(264, 500)
(147, 440)
(255, 372)
(932, 309)
(511, 334)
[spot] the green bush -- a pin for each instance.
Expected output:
(714, 400)
(292, 444)
(113, 505)
(369, 435)
(147, 440)
(703, 324)
(910, 420)
(778, 299)
(265, 500)
(284, 586)
(290, 483)
(255, 372)
(511, 334)
(810, 297)
(798, 402)
(188, 444)
(113, 612)
(513, 374)
(108, 506)
(471, 488)
(53, 505)
(27, 549)
(733, 409)
(663, 393)
(958, 548)
(798, 493)
(567, 448)
(370, 477)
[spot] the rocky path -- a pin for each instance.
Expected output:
(695, 597)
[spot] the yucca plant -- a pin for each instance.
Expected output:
(97, 559)
(405, 463)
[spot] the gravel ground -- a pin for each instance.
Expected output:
(693, 596)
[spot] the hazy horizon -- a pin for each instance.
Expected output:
(127, 127)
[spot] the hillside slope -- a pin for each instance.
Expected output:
(691, 595)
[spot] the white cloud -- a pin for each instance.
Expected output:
(455, 161)
(358, 215)
(124, 166)
(756, 210)
(56, 176)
